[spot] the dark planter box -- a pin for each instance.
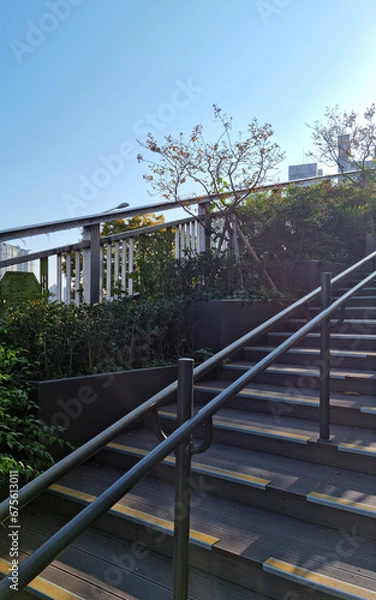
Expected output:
(302, 276)
(306, 274)
(218, 323)
(85, 406)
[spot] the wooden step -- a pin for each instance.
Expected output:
(350, 447)
(341, 341)
(358, 326)
(279, 483)
(108, 567)
(248, 538)
(363, 300)
(298, 376)
(348, 408)
(351, 312)
(355, 359)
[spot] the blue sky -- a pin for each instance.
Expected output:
(82, 80)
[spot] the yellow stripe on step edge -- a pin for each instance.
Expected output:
(44, 589)
(200, 468)
(221, 424)
(342, 504)
(303, 439)
(319, 582)
(371, 410)
(200, 539)
(269, 396)
(370, 450)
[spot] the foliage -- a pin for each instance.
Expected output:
(67, 340)
(358, 141)
(136, 222)
(24, 439)
(321, 222)
(208, 276)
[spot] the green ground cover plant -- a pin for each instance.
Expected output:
(24, 439)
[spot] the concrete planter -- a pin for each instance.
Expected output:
(218, 323)
(85, 406)
(302, 276)
(306, 274)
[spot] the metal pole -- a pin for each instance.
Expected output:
(182, 483)
(325, 360)
(91, 264)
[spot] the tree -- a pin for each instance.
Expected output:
(227, 171)
(136, 222)
(345, 142)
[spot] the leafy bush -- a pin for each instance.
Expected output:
(67, 340)
(325, 222)
(24, 439)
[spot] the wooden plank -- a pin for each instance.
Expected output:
(318, 581)
(256, 534)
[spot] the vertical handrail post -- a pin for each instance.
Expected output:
(325, 361)
(182, 483)
(91, 266)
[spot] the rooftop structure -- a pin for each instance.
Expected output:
(8, 251)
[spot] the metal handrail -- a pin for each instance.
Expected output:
(96, 219)
(65, 536)
(56, 544)
(82, 245)
(77, 457)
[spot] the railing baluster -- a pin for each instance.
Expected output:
(59, 273)
(177, 242)
(68, 277)
(130, 265)
(101, 273)
(123, 264)
(182, 483)
(77, 293)
(325, 361)
(109, 266)
(116, 268)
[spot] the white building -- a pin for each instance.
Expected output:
(8, 251)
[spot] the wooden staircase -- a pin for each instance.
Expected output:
(275, 512)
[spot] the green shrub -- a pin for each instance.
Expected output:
(67, 340)
(24, 439)
(325, 222)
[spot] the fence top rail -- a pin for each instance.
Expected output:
(17, 260)
(114, 214)
(73, 223)
(130, 233)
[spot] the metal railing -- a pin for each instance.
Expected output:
(98, 268)
(32, 566)
(102, 265)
